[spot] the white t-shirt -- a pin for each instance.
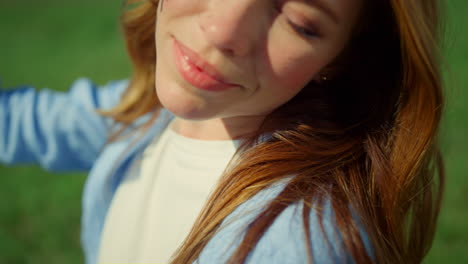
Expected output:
(153, 211)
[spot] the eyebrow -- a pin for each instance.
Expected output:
(324, 7)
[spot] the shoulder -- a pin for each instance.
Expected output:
(285, 241)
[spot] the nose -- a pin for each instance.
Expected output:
(233, 26)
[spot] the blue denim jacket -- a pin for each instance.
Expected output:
(63, 132)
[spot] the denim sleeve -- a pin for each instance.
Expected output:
(285, 240)
(60, 131)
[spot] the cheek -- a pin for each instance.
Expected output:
(289, 64)
(289, 72)
(292, 75)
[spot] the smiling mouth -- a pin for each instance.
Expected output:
(198, 72)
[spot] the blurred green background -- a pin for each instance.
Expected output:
(51, 43)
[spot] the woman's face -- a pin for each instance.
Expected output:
(241, 59)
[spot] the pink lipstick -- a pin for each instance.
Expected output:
(196, 71)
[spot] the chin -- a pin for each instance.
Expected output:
(182, 104)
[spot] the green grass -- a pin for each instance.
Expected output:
(451, 241)
(51, 43)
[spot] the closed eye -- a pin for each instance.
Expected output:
(301, 26)
(308, 32)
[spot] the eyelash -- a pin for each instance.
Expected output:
(303, 31)
(307, 32)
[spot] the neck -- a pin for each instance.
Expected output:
(217, 128)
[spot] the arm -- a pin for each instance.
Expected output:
(60, 131)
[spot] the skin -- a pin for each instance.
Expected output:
(252, 43)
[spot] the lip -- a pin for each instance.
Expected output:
(196, 71)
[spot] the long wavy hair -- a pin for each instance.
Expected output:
(366, 139)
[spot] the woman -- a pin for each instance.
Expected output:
(335, 106)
